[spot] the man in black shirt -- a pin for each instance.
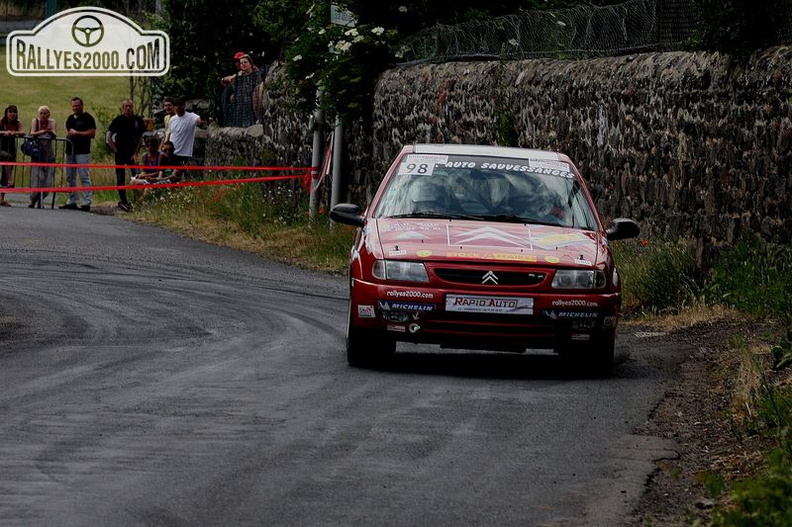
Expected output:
(80, 129)
(124, 136)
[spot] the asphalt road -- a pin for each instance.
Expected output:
(147, 379)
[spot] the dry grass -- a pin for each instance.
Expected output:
(687, 317)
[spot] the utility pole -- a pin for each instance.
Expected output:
(317, 124)
(338, 145)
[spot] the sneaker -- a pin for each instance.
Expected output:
(85, 208)
(125, 206)
(69, 206)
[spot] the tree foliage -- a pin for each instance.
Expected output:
(343, 62)
(737, 26)
(203, 39)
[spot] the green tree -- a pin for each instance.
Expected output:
(203, 40)
(737, 26)
(345, 62)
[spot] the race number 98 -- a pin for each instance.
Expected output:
(416, 169)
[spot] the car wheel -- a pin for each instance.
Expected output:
(366, 347)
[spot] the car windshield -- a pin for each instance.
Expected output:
(487, 189)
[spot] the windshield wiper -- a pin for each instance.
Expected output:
(513, 218)
(434, 214)
(506, 218)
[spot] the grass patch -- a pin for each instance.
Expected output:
(658, 277)
(754, 277)
(219, 215)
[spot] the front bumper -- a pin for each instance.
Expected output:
(484, 318)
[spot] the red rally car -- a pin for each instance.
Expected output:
(486, 248)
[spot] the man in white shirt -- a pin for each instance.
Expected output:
(182, 132)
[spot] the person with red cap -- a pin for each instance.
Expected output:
(242, 94)
(228, 79)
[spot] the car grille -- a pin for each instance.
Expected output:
(503, 278)
(478, 324)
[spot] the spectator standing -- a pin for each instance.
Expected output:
(170, 111)
(80, 129)
(10, 129)
(182, 132)
(124, 136)
(45, 130)
(246, 89)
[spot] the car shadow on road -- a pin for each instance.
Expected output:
(460, 363)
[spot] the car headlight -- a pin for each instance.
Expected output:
(578, 279)
(400, 271)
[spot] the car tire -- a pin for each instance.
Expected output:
(366, 347)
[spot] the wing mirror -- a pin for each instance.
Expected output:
(347, 213)
(623, 228)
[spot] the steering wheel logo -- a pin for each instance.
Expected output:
(87, 31)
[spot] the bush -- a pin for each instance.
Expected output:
(754, 277)
(762, 502)
(656, 276)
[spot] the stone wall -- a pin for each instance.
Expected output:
(691, 145)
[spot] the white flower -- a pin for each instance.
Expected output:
(378, 30)
(343, 46)
(353, 32)
(359, 38)
(561, 23)
(513, 41)
(402, 9)
(297, 58)
(322, 31)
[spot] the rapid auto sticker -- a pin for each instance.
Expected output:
(397, 252)
(489, 304)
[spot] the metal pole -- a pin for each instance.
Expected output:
(318, 151)
(338, 145)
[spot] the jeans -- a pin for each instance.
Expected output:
(41, 176)
(85, 177)
(121, 174)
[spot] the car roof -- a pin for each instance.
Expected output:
(485, 150)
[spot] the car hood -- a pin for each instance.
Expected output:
(476, 240)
